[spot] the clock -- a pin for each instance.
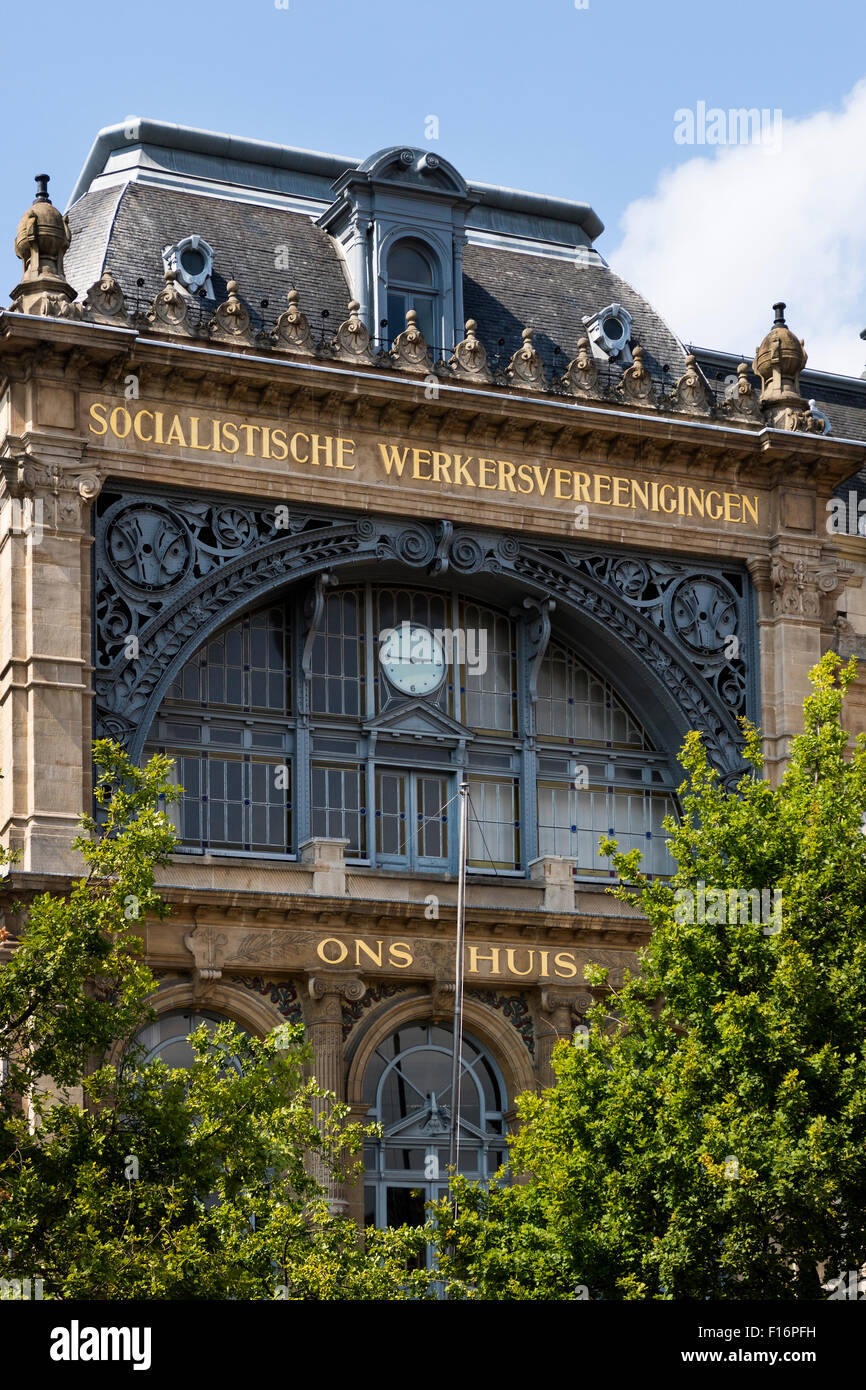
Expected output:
(413, 659)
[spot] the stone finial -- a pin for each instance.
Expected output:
(691, 394)
(526, 369)
(581, 375)
(41, 241)
(104, 302)
(410, 352)
(231, 322)
(469, 358)
(292, 330)
(636, 386)
(171, 309)
(742, 402)
(352, 338)
(779, 360)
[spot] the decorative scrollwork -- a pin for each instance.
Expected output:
(415, 546)
(208, 560)
(149, 547)
(466, 554)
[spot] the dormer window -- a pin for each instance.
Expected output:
(412, 285)
(192, 262)
(610, 332)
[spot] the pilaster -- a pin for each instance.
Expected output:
(45, 667)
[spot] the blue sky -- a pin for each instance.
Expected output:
(574, 102)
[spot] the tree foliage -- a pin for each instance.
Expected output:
(120, 1180)
(709, 1141)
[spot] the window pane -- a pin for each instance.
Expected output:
(493, 827)
(409, 266)
(337, 795)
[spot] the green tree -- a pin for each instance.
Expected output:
(709, 1139)
(119, 1180)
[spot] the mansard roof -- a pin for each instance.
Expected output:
(529, 260)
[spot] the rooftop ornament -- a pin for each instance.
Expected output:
(41, 241)
(779, 360)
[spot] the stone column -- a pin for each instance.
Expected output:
(45, 659)
(325, 1029)
(561, 1011)
(791, 588)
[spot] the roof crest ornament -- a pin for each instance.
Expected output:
(469, 358)
(526, 369)
(352, 338)
(292, 330)
(410, 351)
(231, 322)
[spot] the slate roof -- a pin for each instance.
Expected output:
(506, 291)
(270, 250)
(249, 241)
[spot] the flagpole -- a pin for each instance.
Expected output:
(457, 1050)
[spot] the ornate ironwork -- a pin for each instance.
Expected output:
(171, 569)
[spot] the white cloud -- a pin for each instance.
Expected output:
(736, 228)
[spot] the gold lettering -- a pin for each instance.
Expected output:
(318, 447)
(618, 485)
(525, 476)
(393, 461)
(215, 437)
(279, 441)
(751, 508)
(476, 954)
(442, 471)
(249, 431)
(417, 456)
(400, 955)
(484, 466)
(293, 448)
(581, 487)
(120, 413)
(332, 941)
(227, 426)
(537, 471)
(716, 515)
(175, 433)
(668, 488)
(506, 476)
(543, 967)
(136, 425)
(157, 438)
(560, 961)
(696, 500)
(639, 491)
(732, 499)
(654, 493)
(510, 953)
(374, 956)
(460, 474)
(560, 476)
(193, 434)
(597, 497)
(100, 419)
(345, 446)
(266, 442)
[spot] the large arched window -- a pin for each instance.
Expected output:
(280, 734)
(167, 1038)
(412, 284)
(407, 1087)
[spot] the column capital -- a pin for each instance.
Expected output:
(62, 492)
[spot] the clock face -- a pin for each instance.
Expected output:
(413, 659)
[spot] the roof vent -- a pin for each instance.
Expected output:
(609, 331)
(192, 262)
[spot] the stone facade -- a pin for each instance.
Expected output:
(679, 538)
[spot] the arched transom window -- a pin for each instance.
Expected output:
(280, 734)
